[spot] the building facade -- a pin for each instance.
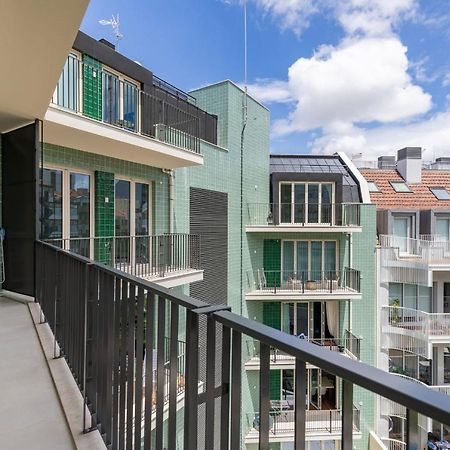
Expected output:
(413, 210)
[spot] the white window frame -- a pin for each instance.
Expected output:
(133, 182)
(411, 230)
(307, 184)
(309, 252)
(66, 171)
(54, 101)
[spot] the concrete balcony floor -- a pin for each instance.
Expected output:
(41, 406)
(31, 415)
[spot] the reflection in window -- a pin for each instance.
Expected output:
(141, 208)
(51, 204)
(80, 213)
(129, 106)
(67, 89)
(110, 98)
(122, 220)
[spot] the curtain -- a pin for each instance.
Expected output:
(332, 309)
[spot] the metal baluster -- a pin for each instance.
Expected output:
(236, 381)
(264, 396)
(301, 379)
(347, 415)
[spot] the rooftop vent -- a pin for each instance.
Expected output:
(441, 164)
(387, 163)
(107, 43)
(409, 164)
(361, 162)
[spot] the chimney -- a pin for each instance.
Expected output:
(107, 43)
(387, 163)
(409, 164)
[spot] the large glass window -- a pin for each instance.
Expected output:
(303, 203)
(309, 260)
(80, 213)
(403, 230)
(67, 88)
(52, 201)
(141, 208)
(129, 106)
(410, 296)
(110, 98)
(442, 229)
(122, 220)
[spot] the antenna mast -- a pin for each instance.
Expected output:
(115, 23)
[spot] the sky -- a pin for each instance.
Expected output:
(359, 76)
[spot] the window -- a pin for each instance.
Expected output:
(309, 260)
(410, 296)
(400, 186)
(403, 231)
(373, 187)
(440, 193)
(67, 88)
(306, 203)
(66, 209)
(442, 229)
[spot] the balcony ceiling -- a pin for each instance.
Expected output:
(35, 38)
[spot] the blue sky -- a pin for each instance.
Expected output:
(367, 76)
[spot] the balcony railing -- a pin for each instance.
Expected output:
(394, 444)
(427, 250)
(100, 95)
(142, 256)
(316, 421)
(349, 345)
(106, 324)
(301, 214)
(310, 281)
(423, 323)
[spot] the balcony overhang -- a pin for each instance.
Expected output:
(35, 38)
(72, 130)
(305, 296)
(301, 229)
(170, 280)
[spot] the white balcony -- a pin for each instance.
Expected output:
(413, 330)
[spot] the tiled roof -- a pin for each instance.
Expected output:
(420, 198)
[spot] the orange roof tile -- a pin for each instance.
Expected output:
(420, 198)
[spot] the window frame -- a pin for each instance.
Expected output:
(373, 183)
(306, 184)
(66, 171)
(439, 188)
(393, 183)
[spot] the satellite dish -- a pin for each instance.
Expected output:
(114, 22)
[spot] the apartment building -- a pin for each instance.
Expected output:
(413, 212)
(312, 276)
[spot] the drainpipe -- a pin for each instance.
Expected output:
(170, 174)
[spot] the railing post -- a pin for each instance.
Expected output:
(300, 408)
(236, 378)
(210, 381)
(264, 396)
(347, 415)
(412, 430)
(225, 401)
(191, 390)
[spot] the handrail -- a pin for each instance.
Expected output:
(124, 105)
(104, 321)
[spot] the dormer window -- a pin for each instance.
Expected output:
(400, 186)
(306, 203)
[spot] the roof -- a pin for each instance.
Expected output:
(325, 164)
(420, 198)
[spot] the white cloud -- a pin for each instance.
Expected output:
(433, 134)
(369, 17)
(361, 81)
(270, 91)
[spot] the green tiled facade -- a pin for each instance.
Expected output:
(92, 88)
(104, 214)
(74, 159)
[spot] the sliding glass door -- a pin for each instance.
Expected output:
(66, 210)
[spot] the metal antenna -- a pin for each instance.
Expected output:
(114, 22)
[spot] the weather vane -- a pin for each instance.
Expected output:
(114, 22)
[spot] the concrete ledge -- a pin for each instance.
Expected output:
(66, 387)
(16, 296)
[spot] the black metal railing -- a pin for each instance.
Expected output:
(326, 281)
(349, 345)
(109, 325)
(87, 89)
(142, 256)
(304, 214)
